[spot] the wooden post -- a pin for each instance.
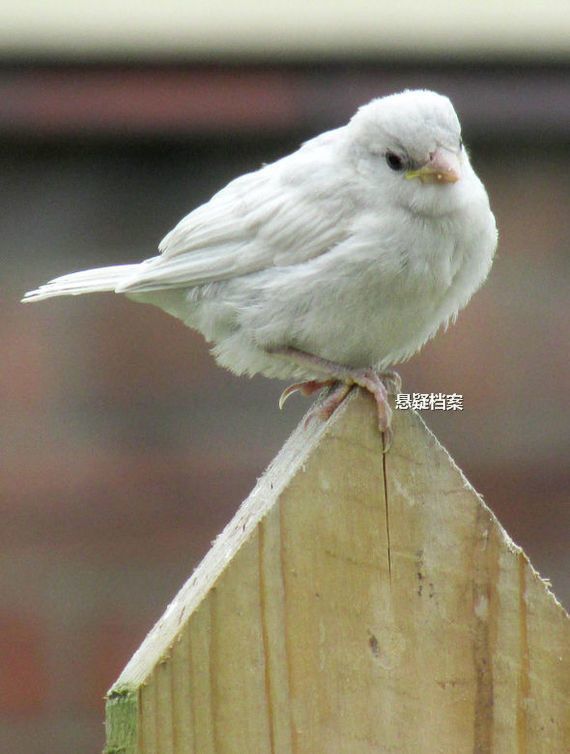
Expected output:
(356, 604)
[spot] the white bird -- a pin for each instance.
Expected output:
(331, 264)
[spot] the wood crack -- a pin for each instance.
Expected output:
(387, 510)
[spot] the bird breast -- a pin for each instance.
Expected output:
(372, 300)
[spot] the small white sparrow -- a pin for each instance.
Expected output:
(332, 264)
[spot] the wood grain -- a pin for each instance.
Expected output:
(356, 604)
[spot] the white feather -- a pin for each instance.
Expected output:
(327, 250)
(97, 280)
(268, 218)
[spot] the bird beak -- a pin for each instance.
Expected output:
(442, 167)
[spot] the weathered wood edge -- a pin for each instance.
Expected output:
(122, 700)
(512, 546)
(269, 487)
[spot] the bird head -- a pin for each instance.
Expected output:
(409, 146)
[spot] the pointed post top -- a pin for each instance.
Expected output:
(359, 602)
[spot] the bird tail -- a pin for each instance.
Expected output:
(87, 281)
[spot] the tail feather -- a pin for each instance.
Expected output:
(88, 281)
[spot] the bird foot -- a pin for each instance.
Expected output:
(379, 385)
(341, 381)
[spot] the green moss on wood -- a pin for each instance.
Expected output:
(122, 709)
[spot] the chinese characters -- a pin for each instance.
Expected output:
(430, 401)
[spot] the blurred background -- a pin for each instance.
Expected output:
(124, 449)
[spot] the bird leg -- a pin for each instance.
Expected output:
(341, 381)
(392, 381)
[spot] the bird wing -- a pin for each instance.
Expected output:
(283, 214)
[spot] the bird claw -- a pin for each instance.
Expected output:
(287, 393)
(305, 388)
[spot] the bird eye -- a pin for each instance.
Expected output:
(395, 162)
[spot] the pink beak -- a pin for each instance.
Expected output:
(442, 167)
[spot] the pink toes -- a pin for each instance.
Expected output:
(305, 388)
(326, 408)
(341, 381)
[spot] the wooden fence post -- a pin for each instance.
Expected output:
(356, 604)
